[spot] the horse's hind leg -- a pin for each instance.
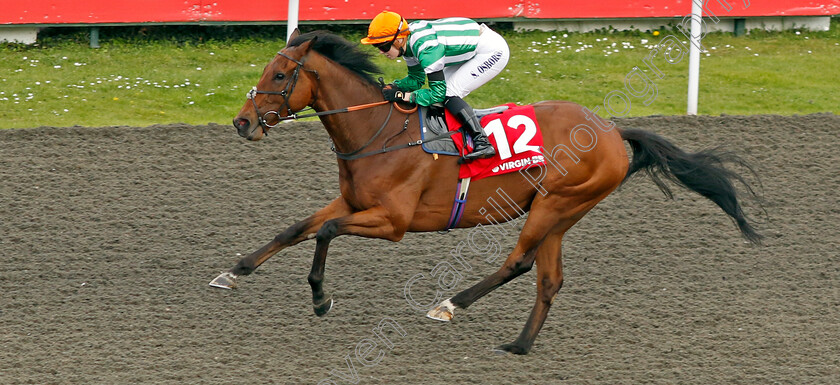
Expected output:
(549, 280)
(517, 263)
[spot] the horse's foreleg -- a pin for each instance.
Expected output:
(372, 223)
(293, 235)
(549, 280)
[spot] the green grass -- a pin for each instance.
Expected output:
(196, 75)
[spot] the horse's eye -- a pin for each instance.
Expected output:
(279, 76)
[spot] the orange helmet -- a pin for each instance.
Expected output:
(386, 26)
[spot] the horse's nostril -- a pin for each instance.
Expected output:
(241, 123)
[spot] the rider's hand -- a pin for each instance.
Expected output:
(393, 94)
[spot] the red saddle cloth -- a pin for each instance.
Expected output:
(514, 134)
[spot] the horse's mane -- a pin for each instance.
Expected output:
(341, 51)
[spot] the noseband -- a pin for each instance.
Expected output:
(290, 87)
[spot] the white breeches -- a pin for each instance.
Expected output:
(491, 56)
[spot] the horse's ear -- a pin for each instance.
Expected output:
(308, 45)
(294, 35)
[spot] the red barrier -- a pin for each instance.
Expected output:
(181, 11)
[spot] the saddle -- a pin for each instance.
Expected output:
(433, 123)
(441, 133)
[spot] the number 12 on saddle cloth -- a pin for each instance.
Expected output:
(514, 134)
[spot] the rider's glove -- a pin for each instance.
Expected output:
(393, 94)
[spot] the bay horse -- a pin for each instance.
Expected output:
(387, 194)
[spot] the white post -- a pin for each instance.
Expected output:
(694, 56)
(292, 18)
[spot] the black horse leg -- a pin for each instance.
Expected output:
(376, 222)
(289, 237)
(321, 302)
(549, 281)
(295, 234)
(513, 267)
(519, 261)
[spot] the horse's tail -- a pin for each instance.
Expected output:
(703, 172)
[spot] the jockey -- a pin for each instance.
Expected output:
(456, 54)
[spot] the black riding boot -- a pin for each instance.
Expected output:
(482, 147)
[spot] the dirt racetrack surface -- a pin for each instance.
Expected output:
(109, 237)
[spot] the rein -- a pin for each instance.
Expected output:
(355, 155)
(352, 155)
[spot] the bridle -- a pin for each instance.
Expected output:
(285, 93)
(291, 115)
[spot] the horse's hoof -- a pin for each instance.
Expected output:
(443, 312)
(225, 280)
(324, 307)
(510, 348)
